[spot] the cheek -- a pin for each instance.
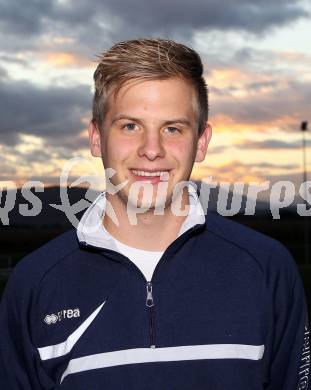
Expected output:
(118, 150)
(183, 150)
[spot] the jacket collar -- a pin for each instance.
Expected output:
(91, 231)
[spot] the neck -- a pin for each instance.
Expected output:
(150, 232)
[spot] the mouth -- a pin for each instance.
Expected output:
(153, 176)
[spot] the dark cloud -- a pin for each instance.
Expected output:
(37, 156)
(260, 85)
(249, 15)
(94, 24)
(70, 144)
(283, 101)
(7, 169)
(52, 113)
(13, 59)
(263, 164)
(237, 166)
(271, 165)
(295, 177)
(271, 144)
(217, 149)
(24, 19)
(3, 74)
(250, 87)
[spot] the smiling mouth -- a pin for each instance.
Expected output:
(155, 176)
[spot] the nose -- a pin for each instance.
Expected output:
(151, 146)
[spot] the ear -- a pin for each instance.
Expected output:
(94, 140)
(203, 142)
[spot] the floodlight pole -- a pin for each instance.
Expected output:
(304, 128)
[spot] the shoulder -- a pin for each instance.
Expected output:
(32, 268)
(269, 254)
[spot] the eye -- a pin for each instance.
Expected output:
(129, 126)
(172, 130)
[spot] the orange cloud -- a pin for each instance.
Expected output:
(66, 59)
(224, 77)
(295, 57)
(224, 123)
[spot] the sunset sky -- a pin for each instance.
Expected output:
(257, 58)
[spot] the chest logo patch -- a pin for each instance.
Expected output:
(53, 318)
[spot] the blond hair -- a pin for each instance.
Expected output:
(147, 59)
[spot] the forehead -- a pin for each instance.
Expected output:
(165, 97)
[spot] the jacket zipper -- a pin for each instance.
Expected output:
(149, 298)
(150, 305)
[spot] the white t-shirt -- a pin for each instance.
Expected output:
(146, 261)
(92, 231)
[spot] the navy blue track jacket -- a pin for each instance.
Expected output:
(225, 310)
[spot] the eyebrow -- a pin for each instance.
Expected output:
(164, 123)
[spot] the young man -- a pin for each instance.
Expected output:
(150, 293)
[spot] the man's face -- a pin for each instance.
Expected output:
(151, 129)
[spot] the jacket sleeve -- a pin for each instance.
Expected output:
(287, 346)
(20, 367)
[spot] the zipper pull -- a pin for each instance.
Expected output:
(149, 300)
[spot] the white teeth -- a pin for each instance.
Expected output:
(144, 173)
